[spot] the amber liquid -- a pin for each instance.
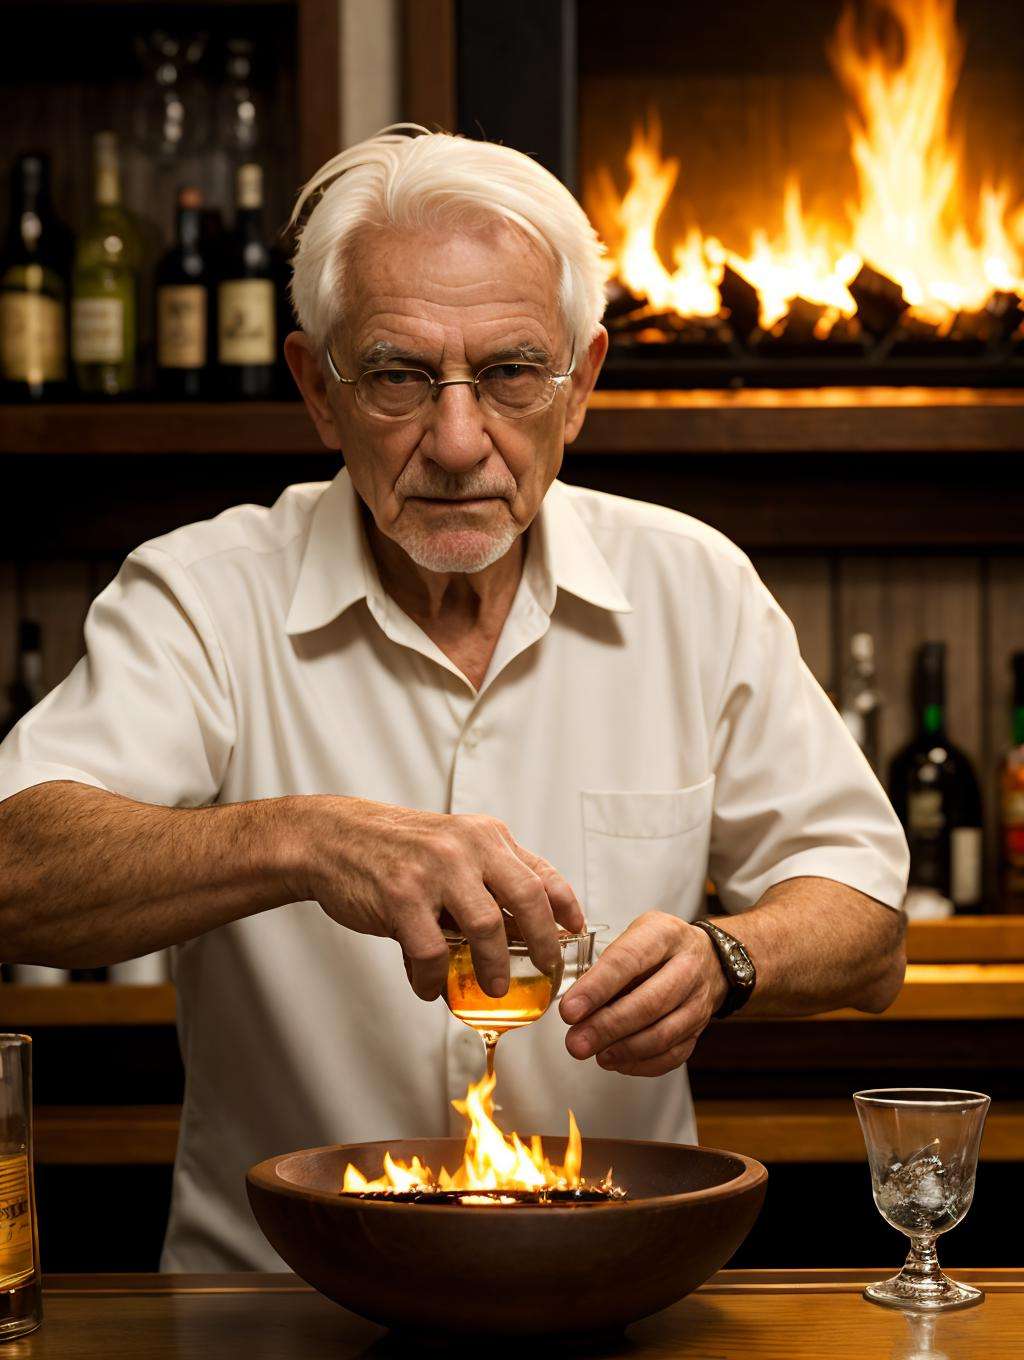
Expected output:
(20, 1307)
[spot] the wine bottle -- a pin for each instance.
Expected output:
(34, 273)
(1012, 801)
(183, 307)
(246, 303)
(27, 689)
(104, 310)
(861, 700)
(936, 796)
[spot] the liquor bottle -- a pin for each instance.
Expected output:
(27, 688)
(861, 700)
(34, 272)
(936, 796)
(1012, 801)
(105, 303)
(246, 303)
(183, 307)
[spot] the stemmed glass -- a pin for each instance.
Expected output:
(530, 992)
(923, 1152)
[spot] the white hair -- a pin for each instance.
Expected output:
(409, 178)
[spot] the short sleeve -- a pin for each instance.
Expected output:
(794, 795)
(148, 711)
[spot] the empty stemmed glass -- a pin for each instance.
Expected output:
(530, 992)
(923, 1152)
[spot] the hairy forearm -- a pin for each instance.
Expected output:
(89, 878)
(818, 945)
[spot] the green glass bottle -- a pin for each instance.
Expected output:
(105, 286)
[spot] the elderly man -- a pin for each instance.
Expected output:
(443, 682)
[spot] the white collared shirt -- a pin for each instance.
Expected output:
(645, 720)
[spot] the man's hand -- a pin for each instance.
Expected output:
(644, 1004)
(392, 871)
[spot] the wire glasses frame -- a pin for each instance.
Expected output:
(526, 391)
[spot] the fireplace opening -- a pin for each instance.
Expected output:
(807, 194)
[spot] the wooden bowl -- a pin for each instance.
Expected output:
(527, 1270)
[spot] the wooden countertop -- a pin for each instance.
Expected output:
(753, 1315)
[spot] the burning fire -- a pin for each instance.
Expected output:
(910, 220)
(491, 1160)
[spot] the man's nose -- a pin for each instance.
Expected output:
(455, 436)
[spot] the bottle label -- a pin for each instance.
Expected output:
(246, 322)
(924, 813)
(181, 326)
(1013, 827)
(32, 338)
(965, 865)
(17, 1257)
(97, 330)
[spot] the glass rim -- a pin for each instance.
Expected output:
(520, 946)
(889, 1096)
(15, 1039)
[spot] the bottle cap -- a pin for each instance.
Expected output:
(108, 189)
(249, 189)
(190, 197)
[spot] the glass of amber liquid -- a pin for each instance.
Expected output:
(530, 990)
(21, 1296)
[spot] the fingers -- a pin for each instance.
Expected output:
(565, 906)
(479, 918)
(640, 948)
(657, 1067)
(425, 953)
(639, 1010)
(520, 891)
(678, 1027)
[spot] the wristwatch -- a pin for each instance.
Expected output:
(737, 965)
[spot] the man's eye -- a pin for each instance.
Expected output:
(507, 372)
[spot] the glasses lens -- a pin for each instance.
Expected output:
(393, 391)
(515, 389)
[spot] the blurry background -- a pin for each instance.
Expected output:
(816, 227)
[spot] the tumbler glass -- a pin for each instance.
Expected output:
(21, 1299)
(923, 1152)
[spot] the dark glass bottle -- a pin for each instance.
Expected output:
(184, 357)
(936, 796)
(1012, 801)
(35, 269)
(26, 690)
(247, 337)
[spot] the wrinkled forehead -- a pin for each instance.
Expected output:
(461, 289)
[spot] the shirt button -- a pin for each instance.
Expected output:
(471, 739)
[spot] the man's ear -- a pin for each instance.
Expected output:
(309, 378)
(583, 380)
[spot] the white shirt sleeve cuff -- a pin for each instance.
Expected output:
(860, 868)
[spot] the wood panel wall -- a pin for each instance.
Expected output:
(974, 603)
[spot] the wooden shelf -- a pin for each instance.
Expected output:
(826, 1130)
(771, 1130)
(967, 939)
(932, 991)
(86, 1003)
(951, 991)
(771, 421)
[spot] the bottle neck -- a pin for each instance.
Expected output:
(31, 673)
(190, 228)
(1018, 724)
(932, 718)
(108, 186)
(249, 223)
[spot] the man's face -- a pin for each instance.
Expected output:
(455, 485)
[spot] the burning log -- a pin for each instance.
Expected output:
(994, 324)
(741, 303)
(619, 300)
(580, 1194)
(802, 323)
(880, 302)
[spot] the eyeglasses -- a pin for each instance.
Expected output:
(513, 389)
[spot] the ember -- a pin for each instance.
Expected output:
(910, 258)
(495, 1169)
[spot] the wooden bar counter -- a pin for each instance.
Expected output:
(756, 1315)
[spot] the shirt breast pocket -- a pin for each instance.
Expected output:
(646, 852)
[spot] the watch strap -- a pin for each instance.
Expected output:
(736, 964)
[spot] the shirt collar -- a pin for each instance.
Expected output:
(338, 569)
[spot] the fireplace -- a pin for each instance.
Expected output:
(825, 192)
